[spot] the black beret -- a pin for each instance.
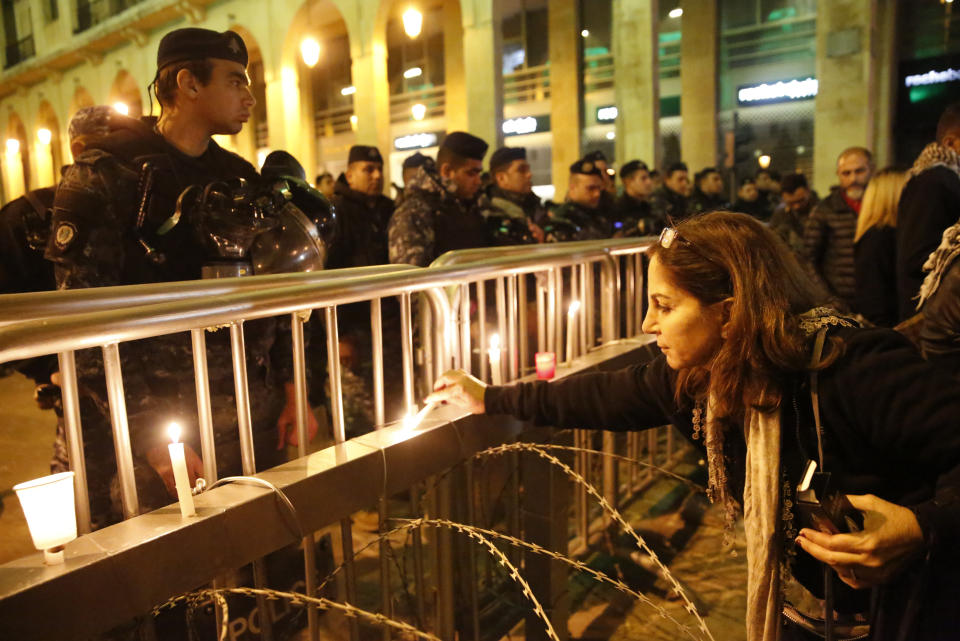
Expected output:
(585, 167)
(466, 145)
(506, 155)
(594, 156)
(364, 153)
(196, 44)
(415, 160)
(632, 167)
(280, 163)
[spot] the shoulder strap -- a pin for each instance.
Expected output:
(815, 392)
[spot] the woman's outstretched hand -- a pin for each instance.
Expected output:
(891, 537)
(460, 389)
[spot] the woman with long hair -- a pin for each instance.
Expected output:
(875, 248)
(766, 382)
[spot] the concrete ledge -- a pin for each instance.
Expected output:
(123, 570)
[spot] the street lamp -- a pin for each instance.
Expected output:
(310, 51)
(763, 161)
(675, 13)
(44, 136)
(419, 110)
(412, 22)
(13, 145)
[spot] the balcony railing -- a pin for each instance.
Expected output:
(789, 39)
(531, 84)
(332, 122)
(92, 12)
(432, 98)
(19, 51)
(102, 582)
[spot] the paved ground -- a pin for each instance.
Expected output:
(26, 441)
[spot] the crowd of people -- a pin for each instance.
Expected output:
(748, 308)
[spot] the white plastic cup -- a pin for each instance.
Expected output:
(51, 513)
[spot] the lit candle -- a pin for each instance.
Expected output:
(180, 476)
(411, 421)
(571, 328)
(546, 365)
(496, 375)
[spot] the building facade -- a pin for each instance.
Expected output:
(726, 83)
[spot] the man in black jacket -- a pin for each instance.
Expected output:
(363, 212)
(669, 201)
(708, 192)
(509, 205)
(930, 203)
(828, 232)
(633, 212)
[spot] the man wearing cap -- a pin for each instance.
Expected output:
(113, 224)
(411, 164)
(580, 216)
(509, 204)
(632, 210)
(669, 201)
(608, 197)
(363, 212)
(439, 211)
(708, 192)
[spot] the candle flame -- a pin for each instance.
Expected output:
(173, 431)
(574, 308)
(495, 341)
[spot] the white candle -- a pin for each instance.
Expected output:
(571, 328)
(411, 421)
(180, 476)
(496, 375)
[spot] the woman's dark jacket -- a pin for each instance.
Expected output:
(875, 264)
(940, 329)
(892, 428)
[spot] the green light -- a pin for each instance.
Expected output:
(926, 92)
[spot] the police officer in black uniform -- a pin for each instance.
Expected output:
(509, 205)
(115, 222)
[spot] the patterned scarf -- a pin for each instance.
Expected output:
(936, 155)
(761, 497)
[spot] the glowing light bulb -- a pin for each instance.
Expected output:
(611, 135)
(310, 51)
(412, 22)
(675, 13)
(13, 146)
(121, 108)
(353, 121)
(413, 72)
(763, 161)
(585, 33)
(419, 110)
(348, 91)
(44, 136)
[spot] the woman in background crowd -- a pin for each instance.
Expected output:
(875, 248)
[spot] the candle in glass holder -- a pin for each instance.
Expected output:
(179, 462)
(496, 375)
(571, 328)
(546, 365)
(51, 513)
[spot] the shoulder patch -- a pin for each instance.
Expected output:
(65, 234)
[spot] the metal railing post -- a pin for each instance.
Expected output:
(201, 377)
(406, 346)
(482, 329)
(74, 435)
(376, 342)
(121, 431)
(242, 388)
(466, 362)
(513, 342)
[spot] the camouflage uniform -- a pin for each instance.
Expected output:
(668, 205)
(432, 220)
(572, 221)
(509, 214)
(105, 233)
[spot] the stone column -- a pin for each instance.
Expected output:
(371, 103)
(888, 62)
(698, 80)
(566, 89)
(474, 50)
(847, 66)
(636, 80)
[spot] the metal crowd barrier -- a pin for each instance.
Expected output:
(605, 276)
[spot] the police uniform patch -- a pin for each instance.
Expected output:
(65, 234)
(587, 166)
